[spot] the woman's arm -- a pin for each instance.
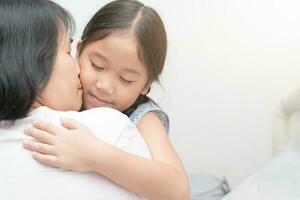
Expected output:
(160, 178)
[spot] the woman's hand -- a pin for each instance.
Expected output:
(64, 148)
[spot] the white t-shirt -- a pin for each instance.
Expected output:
(23, 178)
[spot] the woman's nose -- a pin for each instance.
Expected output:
(77, 67)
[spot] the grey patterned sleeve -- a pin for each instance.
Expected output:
(144, 108)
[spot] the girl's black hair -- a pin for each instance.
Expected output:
(130, 15)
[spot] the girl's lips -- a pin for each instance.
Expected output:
(98, 101)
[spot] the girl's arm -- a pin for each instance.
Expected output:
(164, 155)
(163, 177)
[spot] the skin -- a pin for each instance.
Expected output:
(63, 91)
(112, 75)
(163, 176)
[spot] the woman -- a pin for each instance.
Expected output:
(36, 70)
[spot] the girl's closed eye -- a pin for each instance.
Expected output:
(97, 67)
(125, 81)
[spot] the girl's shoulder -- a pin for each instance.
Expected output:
(146, 107)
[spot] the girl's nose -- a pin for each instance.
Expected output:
(105, 86)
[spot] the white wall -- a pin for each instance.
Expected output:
(229, 64)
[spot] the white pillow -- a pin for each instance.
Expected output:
(287, 124)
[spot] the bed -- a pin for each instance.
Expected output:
(280, 178)
(207, 187)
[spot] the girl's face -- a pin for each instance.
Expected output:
(63, 91)
(112, 74)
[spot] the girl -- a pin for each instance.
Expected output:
(122, 52)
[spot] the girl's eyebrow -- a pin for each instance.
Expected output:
(105, 59)
(128, 70)
(99, 55)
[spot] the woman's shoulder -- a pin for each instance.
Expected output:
(104, 116)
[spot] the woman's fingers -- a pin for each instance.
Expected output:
(39, 147)
(47, 127)
(39, 135)
(46, 159)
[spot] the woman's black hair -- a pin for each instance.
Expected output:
(29, 35)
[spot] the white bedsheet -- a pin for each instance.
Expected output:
(279, 180)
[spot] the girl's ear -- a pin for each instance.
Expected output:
(78, 48)
(146, 89)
